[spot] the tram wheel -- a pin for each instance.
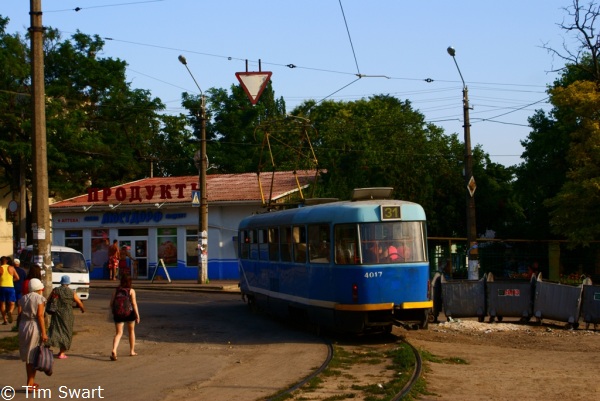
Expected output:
(252, 304)
(423, 324)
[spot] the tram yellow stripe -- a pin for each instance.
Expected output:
(364, 307)
(416, 305)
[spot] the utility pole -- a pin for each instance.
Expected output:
(41, 209)
(472, 252)
(202, 165)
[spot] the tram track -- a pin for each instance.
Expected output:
(418, 369)
(406, 389)
(302, 382)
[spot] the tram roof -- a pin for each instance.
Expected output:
(336, 212)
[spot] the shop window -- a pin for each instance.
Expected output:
(100, 243)
(133, 232)
(74, 239)
(167, 245)
(191, 247)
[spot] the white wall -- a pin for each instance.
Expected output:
(6, 230)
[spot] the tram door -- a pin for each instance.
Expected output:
(138, 248)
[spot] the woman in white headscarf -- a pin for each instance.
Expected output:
(32, 330)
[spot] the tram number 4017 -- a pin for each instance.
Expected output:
(373, 274)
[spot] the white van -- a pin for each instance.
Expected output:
(65, 262)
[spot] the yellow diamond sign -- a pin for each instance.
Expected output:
(472, 186)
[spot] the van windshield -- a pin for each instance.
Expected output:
(68, 262)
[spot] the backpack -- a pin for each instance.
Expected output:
(122, 306)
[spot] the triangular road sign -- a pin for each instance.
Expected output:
(254, 83)
(195, 198)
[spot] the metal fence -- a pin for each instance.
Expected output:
(515, 258)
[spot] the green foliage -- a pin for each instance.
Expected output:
(103, 132)
(575, 210)
(9, 344)
(99, 130)
(558, 183)
(383, 142)
(233, 145)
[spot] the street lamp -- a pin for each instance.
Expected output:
(472, 253)
(202, 167)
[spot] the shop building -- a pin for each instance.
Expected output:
(156, 219)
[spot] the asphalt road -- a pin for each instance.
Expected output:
(191, 346)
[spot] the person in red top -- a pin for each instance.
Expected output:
(113, 260)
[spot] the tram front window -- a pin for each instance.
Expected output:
(392, 242)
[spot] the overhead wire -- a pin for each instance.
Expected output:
(510, 87)
(349, 37)
(77, 9)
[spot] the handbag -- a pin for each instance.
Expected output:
(52, 304)
(43, 359)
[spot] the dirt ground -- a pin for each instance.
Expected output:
(497, 361)
(509, 361)
(212, 348)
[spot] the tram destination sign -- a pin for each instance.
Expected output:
(390, 213)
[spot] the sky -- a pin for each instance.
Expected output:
(398, 47)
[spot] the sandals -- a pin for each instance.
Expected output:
(113, 356)
(32, 388)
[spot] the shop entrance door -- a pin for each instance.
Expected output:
(138, 249)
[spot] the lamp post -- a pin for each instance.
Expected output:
(472, 253)
(202, 167)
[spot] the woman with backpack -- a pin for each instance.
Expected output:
(124, 307)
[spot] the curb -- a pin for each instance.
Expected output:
(228, 288)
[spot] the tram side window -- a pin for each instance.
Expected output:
(244, 244)
(248, 244)
(286, 244)
(253, 236)
(319, 243)
(263, 245)
(346, 240)
(299, 239)
(274, 244)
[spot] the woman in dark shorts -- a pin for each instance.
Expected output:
(131, 319)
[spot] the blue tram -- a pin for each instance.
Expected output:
(350, 266)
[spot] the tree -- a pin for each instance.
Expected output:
(558, 181)
(232, 121)
(575, 210)
(15, 109)
(100, 131)
(382, 141)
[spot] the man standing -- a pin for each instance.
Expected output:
(19, 283)
(113, 260)
(8, 276)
